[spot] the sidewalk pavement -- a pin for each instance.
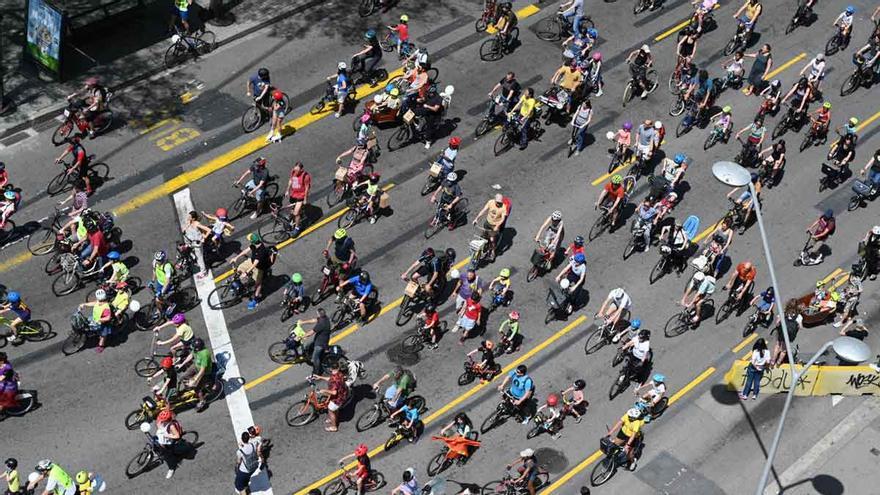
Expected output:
(127, 48)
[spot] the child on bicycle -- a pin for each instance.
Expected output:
(401, 33)
(7, 207)
(409, 419)
(295, 292)
(509, 331)
(294, 341)
(430, 319)
(487, 359)
(576, 405)
(552, 417)
(22, 314)
(500, 286)
(623, 141)
(723, 120)
(363, 469)
(371, 197)
(734, 67)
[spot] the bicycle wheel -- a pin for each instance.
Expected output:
(35, 331)
(251, 119)
(850, 84)
(674, 82)
(62, 132)
(146, 367)
(140, 463)
(534, 431)
(375, 482)
(336, 488)
(676, 326)
(490, 50)
(339, 318)
(369, 419)
(595, 341)
(53, 265)
(207, 43)
(549, 29)
(174, 55)
(780, 128)
(480, 25)
(412, 344)
(26, 401)
(438, 464)
(724, 311)
(599, 226)
(148, 317)
(677, 107)
(223, 297)
(602, 471)
(434, 226)
(498, 487)
(300, 414)
(807, 141)
(317, 107)
(832, 45)
(466, 378)
(400, 138)
(653, 80)
(134, 419)
(629, 249)
(730, 47)
(404, 312)
(237, 208)
(279, 353)
(58, 184)
(350, 218)
(386, 40)
(393, 440)
(854, 203)
(618, 387)
(74, 343)
(65, 283)
(749, 328)
(658, 271)
(275, 233)
(494, 420)
(336, 193)
(627, 93)
(41, 242)
(502, 143)
(366, 7)
(710, 141)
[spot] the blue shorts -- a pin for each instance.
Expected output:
(184, 14)
(764, 305)
(159, 288)
(251, 186)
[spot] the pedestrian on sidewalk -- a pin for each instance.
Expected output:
(247, 461)
(755, 369)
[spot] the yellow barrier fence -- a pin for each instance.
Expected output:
(818, 381)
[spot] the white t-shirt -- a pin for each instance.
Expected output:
(640, 349)
(759, 359)
(620, 298)
(657, 390)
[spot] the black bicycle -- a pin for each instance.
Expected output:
(615, 457)
(862, 76)
(510, 132)
(684, 320)
(258, 114)
(494, 48)
(733, 304)
(556, 26)
(185, 46)
(379, 412)
(505, 410)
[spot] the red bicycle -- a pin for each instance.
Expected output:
(347, 482)
(456, 449)
(73, 119)
(487, 18)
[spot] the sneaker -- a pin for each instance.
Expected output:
(873, 276)
(647, 248)
(615, 339)
(372, 220)
(556, 436)
(269, 137)
(578, 419)
(837, 324)
(99, 349)
(276, 138)
(297, 230)
(427, 145)
(254, 216)
(754, 397)
(526, 421)
(577, 152)
(252, 304)
(337, 115)
(17, 340)
(742, 397)
(169, 474)
(599, 93)
(644, 95)
(455, 329)
(632, 465)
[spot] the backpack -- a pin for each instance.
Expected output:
(251, 461)
(715, 87)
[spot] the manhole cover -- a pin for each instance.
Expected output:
(554, 460)
(397, 356)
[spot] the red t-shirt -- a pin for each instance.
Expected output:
(575, 249)
(79, 153)
(431, 319)
(745, 275)
(337, 384)
(472, 310)
(299, 184)
(614, 193)
(402, 32)
(99, 243)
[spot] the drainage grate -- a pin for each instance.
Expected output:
(18, 136)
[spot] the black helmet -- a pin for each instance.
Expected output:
(198, 344)
(579, 384)
(522, 369)
(263, 73)
(645, 334)
(450, 254)
(430, 307)
(11, 463)
(365, 277)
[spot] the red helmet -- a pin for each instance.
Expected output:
(454, 141)
(514, 315)
(552, 400)
(165, 415)
(374, 176)
(277, 95)
(121, 285)
(167, 363)
(221, 213)
(361, 450)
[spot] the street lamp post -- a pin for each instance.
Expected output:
(847, 348)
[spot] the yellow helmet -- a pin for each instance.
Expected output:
(404, 18)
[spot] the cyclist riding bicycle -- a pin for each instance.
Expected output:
(655, 390)
(842, 152)
(500, 286)
(505, 22)
(95, 98)
(613, 307)
(575, 272)
(524, 112)
(496, 213)
(486, 363)
(576, 247)
(22, 314)
(742, 280)
(627, 432)
(81, 160)
(551, 232)
(816, 68)
(368, 58)
(772, 94)
(576, 404)
(639, 350)
(256, 186)
(447, 196)
(426, 270)
(409, 419)
(259, 87)
(340, 249)
(702, 285)
(765, 301)
(521, 389)
(801, 93)
(360, 290)
(612, 197)
(551, 411)
(640, 61)
(844, 22)
(508, 89)
(646, 140)
(748, 14)
(429, 320)
(363, 469)
(820, 120)
(403, 383)
(511, 338)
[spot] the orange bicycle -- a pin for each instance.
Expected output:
(457, 449)
(307, 410)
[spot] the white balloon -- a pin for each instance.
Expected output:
(609, 135)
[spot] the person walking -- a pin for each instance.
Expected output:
(321, 341)
(247, 462)
(755, 369)
(760, 68)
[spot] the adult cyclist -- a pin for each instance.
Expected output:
(613, 307)
(360, 290)
(639, 62)
(163, 283)
(521, 389)
(551, 232)
(369, 57)
(627, 432)
(256, 186)
(340, 249)
(58, 482)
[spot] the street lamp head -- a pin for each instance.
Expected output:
(732, 174)
(851, 349)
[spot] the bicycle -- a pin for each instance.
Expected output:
(837, 42)
(739, 41)
(541, 260)
(732, 305)
(615, 457)
(511, 129)
(32, 331)
(414, 294)
(74, 120)
(45, 239)
(717, 135)
(358, 208)
(650, 78)
(793, 119)
(148, 316)
(665, 264)
(232, 290)
(415, 342)
(152, 406)
(379, 412)
(73, 274)
(802, 17)
(449, 456)
(736, 214)
(345, 184)
(543, 425)
(618, 157)
(248, 202)
(504, 411)
(494, 48)
(555, 26)
(148, 366)
(388, 42)
(309, 408)
(487, 16)
(814, 136)
(508, 484)
(641, 5)
(280, 228)
(637, 241)
(329, 97)
(332, 274)
(25, 400)
(862, 76)
(282, 353)
(472, 372)
(69, 175)
(185, 45)
(756, 318)
(627, 373)
(682, 321)
(152, 454)
(347, 308)
(833, 174)
(444, 217)
(560, 303)
(863, 191)
(401, 432)
(599, 337)
(346, 482)
(256, 115)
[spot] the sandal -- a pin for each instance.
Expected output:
(331, 429)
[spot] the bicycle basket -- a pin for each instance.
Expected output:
(606, 445)
(861, 188)
(69, 261)
(537, 257)
(78, 322)
(476, 245)
(411, 289)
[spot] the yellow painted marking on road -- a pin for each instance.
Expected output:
(307, 231)
(786, 65)
(232, 156)
(605, 177)
(176, 138)
(840, 282)
(161, 123)
(868, 121)
(706, 232)
(15, 260)
(528, 10)
(746, 356)
(746, 341)
(831, 275)
(674, 29)
(187, 97)
(458, 400)
(339, 335)
(595, 456)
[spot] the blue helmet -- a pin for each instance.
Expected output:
(636, 324)
(850, 9)
(389, 87)
(592, 33)
(13, 297)
(679, 158)
(754, 177)
(113, 255)
(579, 258)
(659, 378)
(370, 34)
(829, 213)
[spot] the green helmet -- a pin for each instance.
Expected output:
(253, 238)
(296, 278)
(340, 234)
(616, 179)
(504, 273)
(726, 109)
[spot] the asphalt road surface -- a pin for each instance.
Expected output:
(182, 130)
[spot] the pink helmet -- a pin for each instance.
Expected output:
(365, 118)
(597, 56)
(178, 319)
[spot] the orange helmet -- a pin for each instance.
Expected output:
(165, 415)
(552, 400)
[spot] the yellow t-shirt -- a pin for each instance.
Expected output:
(184, 332)
(571, 78)
(13, 481)
(527, 106)
(631, 426)
(495, 214)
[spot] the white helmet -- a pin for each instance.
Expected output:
(876, 230)
(699, 276)
(658, 124)
(449, 90)
(341, 66)
(617, 293)
(556, 216)
(634, 413)
(646, 48)
(527, 453)
(564, 284)
(44, 465)
(454, 273)
(452, 176)
(377, 99)
(101, 295)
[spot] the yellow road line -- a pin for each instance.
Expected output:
(840, 282)
(605, 177)
(159, 124)
(473, 390)
(307, 231)
(746, 341)
(15, 260)
(831, 275)
(786, 65)
(595, 456)
(868, 121)
(706, 232)
(339, 335)
(674, 29)
(527, 11)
